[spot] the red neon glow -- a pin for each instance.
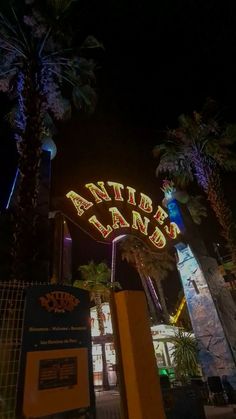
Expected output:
(139, 223)
(105, 231)
(79, 202)
(145, 203)
(118, 221)
(173, 230)
(117, 190)
(160, 215)
(131, 196)
(100, 194)
(157, 238)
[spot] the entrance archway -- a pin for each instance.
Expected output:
(110, 209)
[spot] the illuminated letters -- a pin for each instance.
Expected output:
(105, 231)
(79, 202)
(131, 196)
(160, 215)
(99, 194)
(118, 219)
(173, 230)
(133, 220)
(158, 239)
(139, 224)
(145, 203)
(117, 190)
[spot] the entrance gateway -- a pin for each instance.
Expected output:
(126, 210)
(109, 209)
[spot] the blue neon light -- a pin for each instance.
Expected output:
(175, 214)
(12, 189)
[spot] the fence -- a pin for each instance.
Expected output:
(12, 304)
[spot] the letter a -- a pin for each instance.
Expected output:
(79, 202)
(138, 223)
(118, 219)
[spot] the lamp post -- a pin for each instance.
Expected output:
(119, 370)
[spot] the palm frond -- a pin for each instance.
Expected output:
(184, 353)
(91, 43)
(84, 97)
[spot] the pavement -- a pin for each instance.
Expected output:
(108, 407)
(108, 404)
(220, 412)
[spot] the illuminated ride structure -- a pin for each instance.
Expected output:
(161, 336)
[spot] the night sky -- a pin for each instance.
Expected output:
(160, 59)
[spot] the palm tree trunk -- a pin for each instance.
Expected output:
(223, 213)
(98, 302)
(209, 179)
(166, 315)
(139, 265)
(30, 123)
(153, 293)
(150, 303)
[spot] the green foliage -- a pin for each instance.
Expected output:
(96, 280)
(184, 353)
(200, 148)
(136, 252)
(198, 138)
(42, 40)
(150, 265)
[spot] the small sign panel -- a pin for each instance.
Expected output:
(55, 373)
(56, 381)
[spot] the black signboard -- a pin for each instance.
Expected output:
(56, 351)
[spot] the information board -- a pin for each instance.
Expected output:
(56, 359)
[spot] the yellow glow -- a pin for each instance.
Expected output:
(139, 224)
(131, 196)
(160, 215)
(79, 202)
(105, 231)
(117, 190)
(175, 318)
(158, 239)
(118, 221)
(145, 203)
(100, 194)
(173, 230)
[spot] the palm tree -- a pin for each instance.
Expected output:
(149, 265)
(199, 149)
(184, 354)
(96, 280)
(157, 266)
(40, 69)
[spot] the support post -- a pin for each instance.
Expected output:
(142, 384)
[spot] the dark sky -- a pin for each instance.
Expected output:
(160, 59)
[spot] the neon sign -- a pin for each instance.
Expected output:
(141, 216)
